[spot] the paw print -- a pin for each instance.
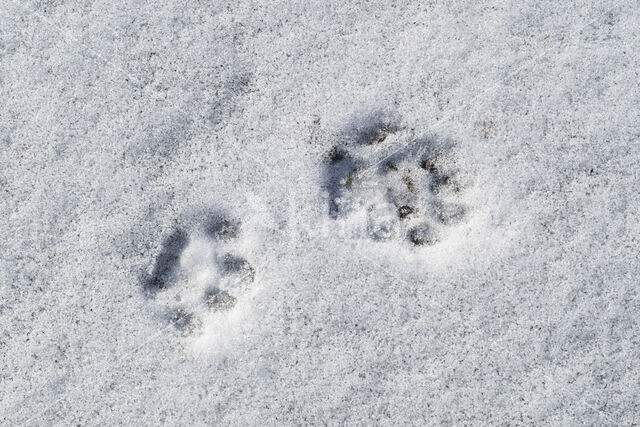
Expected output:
(409, 194)
(199, 272)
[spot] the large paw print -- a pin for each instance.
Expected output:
(199, 272)
(391, 186)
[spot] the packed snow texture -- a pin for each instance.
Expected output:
(319, 212)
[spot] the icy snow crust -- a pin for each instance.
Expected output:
(269, 213)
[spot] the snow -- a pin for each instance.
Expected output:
(124, 124)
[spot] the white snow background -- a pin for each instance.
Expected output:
(121, 122)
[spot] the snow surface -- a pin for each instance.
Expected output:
(124, 123)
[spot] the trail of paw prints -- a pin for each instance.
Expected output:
(198, 272)
(412, 194)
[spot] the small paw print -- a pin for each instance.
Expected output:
(197, 272)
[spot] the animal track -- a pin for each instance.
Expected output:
(199, 272)
(409, 194)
